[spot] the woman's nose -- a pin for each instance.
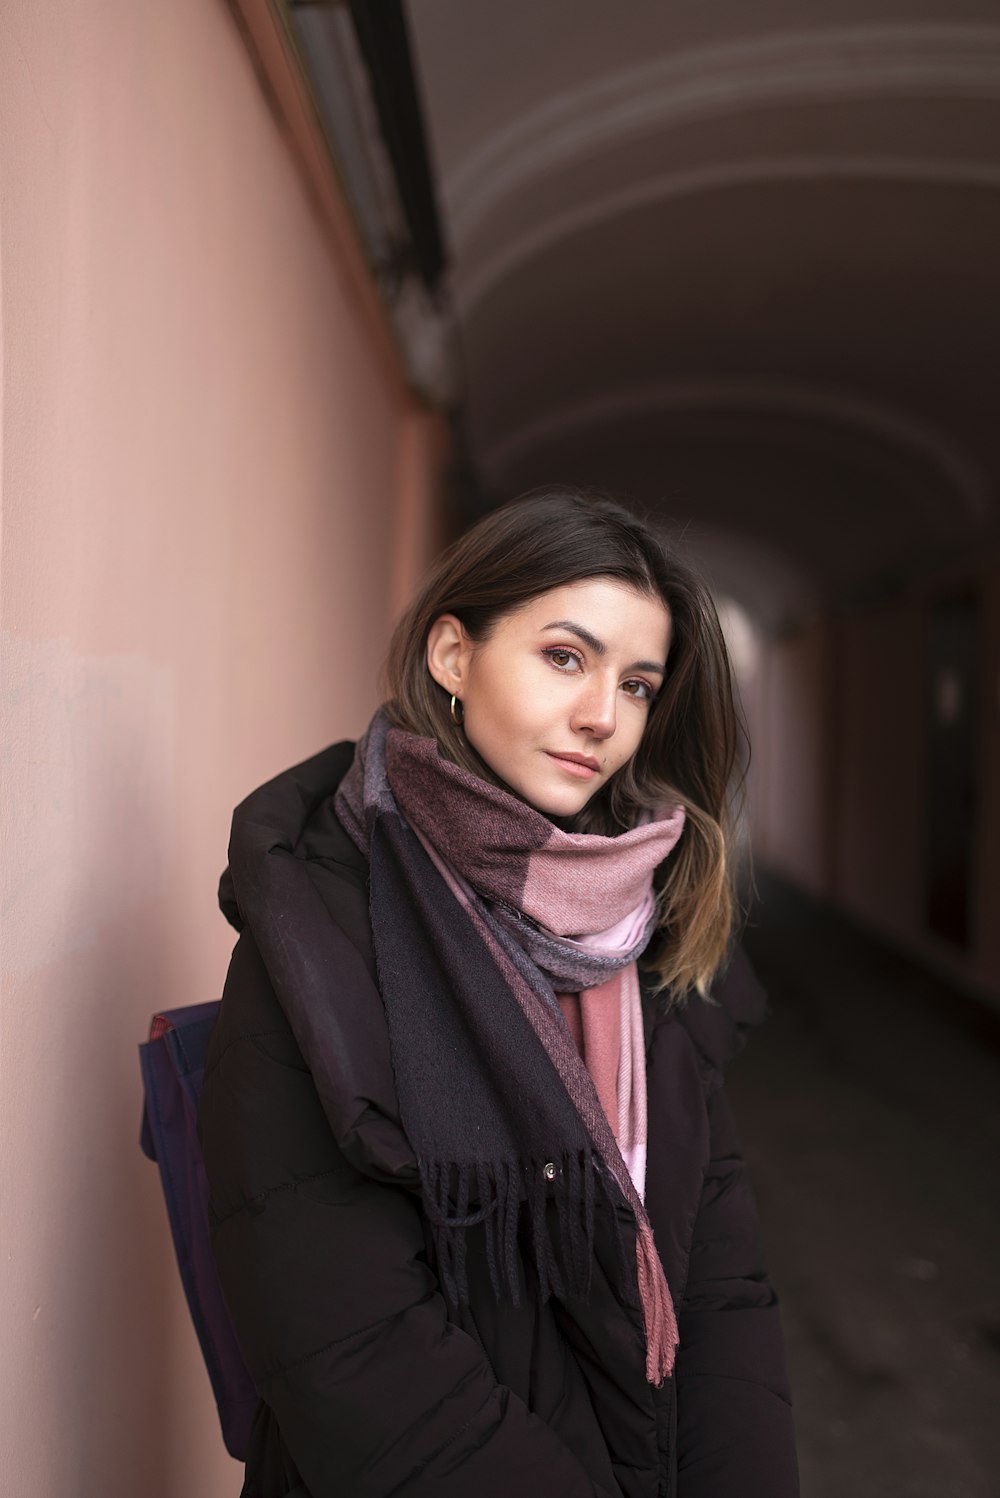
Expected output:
(596, 710)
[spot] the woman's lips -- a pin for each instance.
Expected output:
(574, 766)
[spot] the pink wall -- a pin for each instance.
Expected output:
(421, 528)
(206, 442)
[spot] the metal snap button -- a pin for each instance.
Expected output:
(549, 1171)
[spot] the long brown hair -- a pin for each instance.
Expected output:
(694, 749)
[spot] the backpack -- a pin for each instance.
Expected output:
(172, 1061)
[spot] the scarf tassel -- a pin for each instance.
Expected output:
(563, 1262)
(657, 1309)
(560, 1244)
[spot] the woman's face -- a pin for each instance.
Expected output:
(558, 697)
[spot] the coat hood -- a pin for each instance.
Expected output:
(291, 813)
(298, 885)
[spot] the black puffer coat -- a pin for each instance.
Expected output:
(371, 1384)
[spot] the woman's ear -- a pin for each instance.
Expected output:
(449, 650)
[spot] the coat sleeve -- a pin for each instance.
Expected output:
(338, 1314)
(735, 1435)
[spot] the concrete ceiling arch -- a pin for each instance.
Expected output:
(737, 262)
(908, 60)
(848, 422)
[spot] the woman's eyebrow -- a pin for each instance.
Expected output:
(599, 647)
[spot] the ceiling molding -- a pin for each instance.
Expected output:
(965, 483)
(266, 33)
(472, 288)
(839, 63)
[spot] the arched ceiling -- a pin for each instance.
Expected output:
(741, 263)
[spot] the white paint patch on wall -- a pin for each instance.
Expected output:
(88, 753)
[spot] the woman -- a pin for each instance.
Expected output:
(478, 1207)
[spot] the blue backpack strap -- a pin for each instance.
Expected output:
(173, 1065)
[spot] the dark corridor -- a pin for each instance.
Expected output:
(868, 1106)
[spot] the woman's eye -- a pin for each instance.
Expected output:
(643, 691)
(561, 658)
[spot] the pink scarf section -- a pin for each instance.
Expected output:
(606, 1025)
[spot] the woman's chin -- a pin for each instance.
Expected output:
(557, 803)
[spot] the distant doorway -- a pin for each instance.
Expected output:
(953, 649)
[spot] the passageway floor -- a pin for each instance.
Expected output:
(869, 1110)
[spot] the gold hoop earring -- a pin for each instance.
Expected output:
(454, 715)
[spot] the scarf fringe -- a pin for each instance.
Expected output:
(657, 1309)
(563, 1259)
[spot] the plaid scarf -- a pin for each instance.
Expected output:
(481, 911)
